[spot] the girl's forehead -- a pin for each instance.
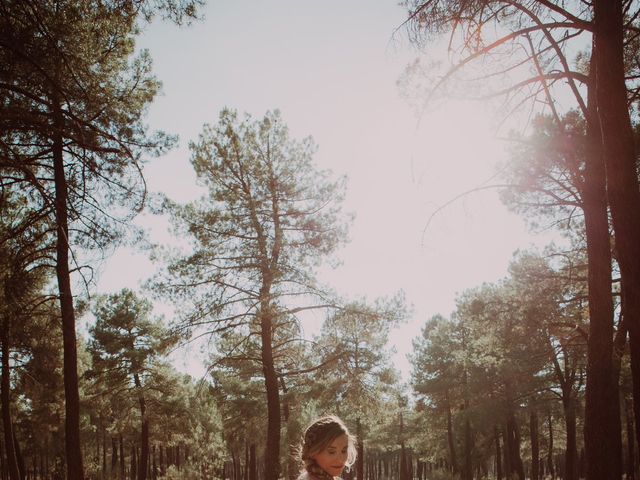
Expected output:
(339, 442)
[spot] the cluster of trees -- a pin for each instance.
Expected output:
(573, 65)
(108, 404)
(500, 384)
(72, 143)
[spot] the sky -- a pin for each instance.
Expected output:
(332, 69)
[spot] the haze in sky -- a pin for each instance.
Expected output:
(332, 69)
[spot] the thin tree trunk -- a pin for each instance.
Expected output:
(114, 457)
(235, 467)
(403, 453)
(535, 447)
(104, 453)
(450, 437)
(467, 470)
(144, 435)
(245, 475)
(7, 424)
(73, 447)
(154, 471)
(134, 463)
(550, 465)
(360, 457)
(468, 449)
(507, 451)
(122, 465)
(22, 468)
(253, 463)
(496, 434)
(515, 459)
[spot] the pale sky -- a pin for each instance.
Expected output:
(331, 68)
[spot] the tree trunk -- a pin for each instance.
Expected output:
(450, 437)
(602, 433)
(253, 463)
(154, 471)
(515, 460)
(7, 424)
(360, 447)
(550, 465)
(245, 475)
(535, 447)
(73, 447)
(571, 454)
(22, 468)
(403, 453)
(272, 450)
(144, 435)
(467, 469)
(104, 454)
(235, 466)
(507, 452)
(114, 457)
(122, 465)
(622, 181)
(467, 474)
(134, 463)
(496, 434)
(631, 457)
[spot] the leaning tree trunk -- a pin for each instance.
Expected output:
(622, 181)
(73, 448)
(602, 431)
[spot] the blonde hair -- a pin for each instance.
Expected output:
(320, 434)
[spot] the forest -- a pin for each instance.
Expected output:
(533, 376)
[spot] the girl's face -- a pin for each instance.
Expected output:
(334, 456)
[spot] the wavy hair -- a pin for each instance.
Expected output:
(319, 435)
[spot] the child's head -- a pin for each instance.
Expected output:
(327, 444)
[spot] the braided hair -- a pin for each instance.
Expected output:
(319, 436)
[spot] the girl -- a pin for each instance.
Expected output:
(327, 447)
